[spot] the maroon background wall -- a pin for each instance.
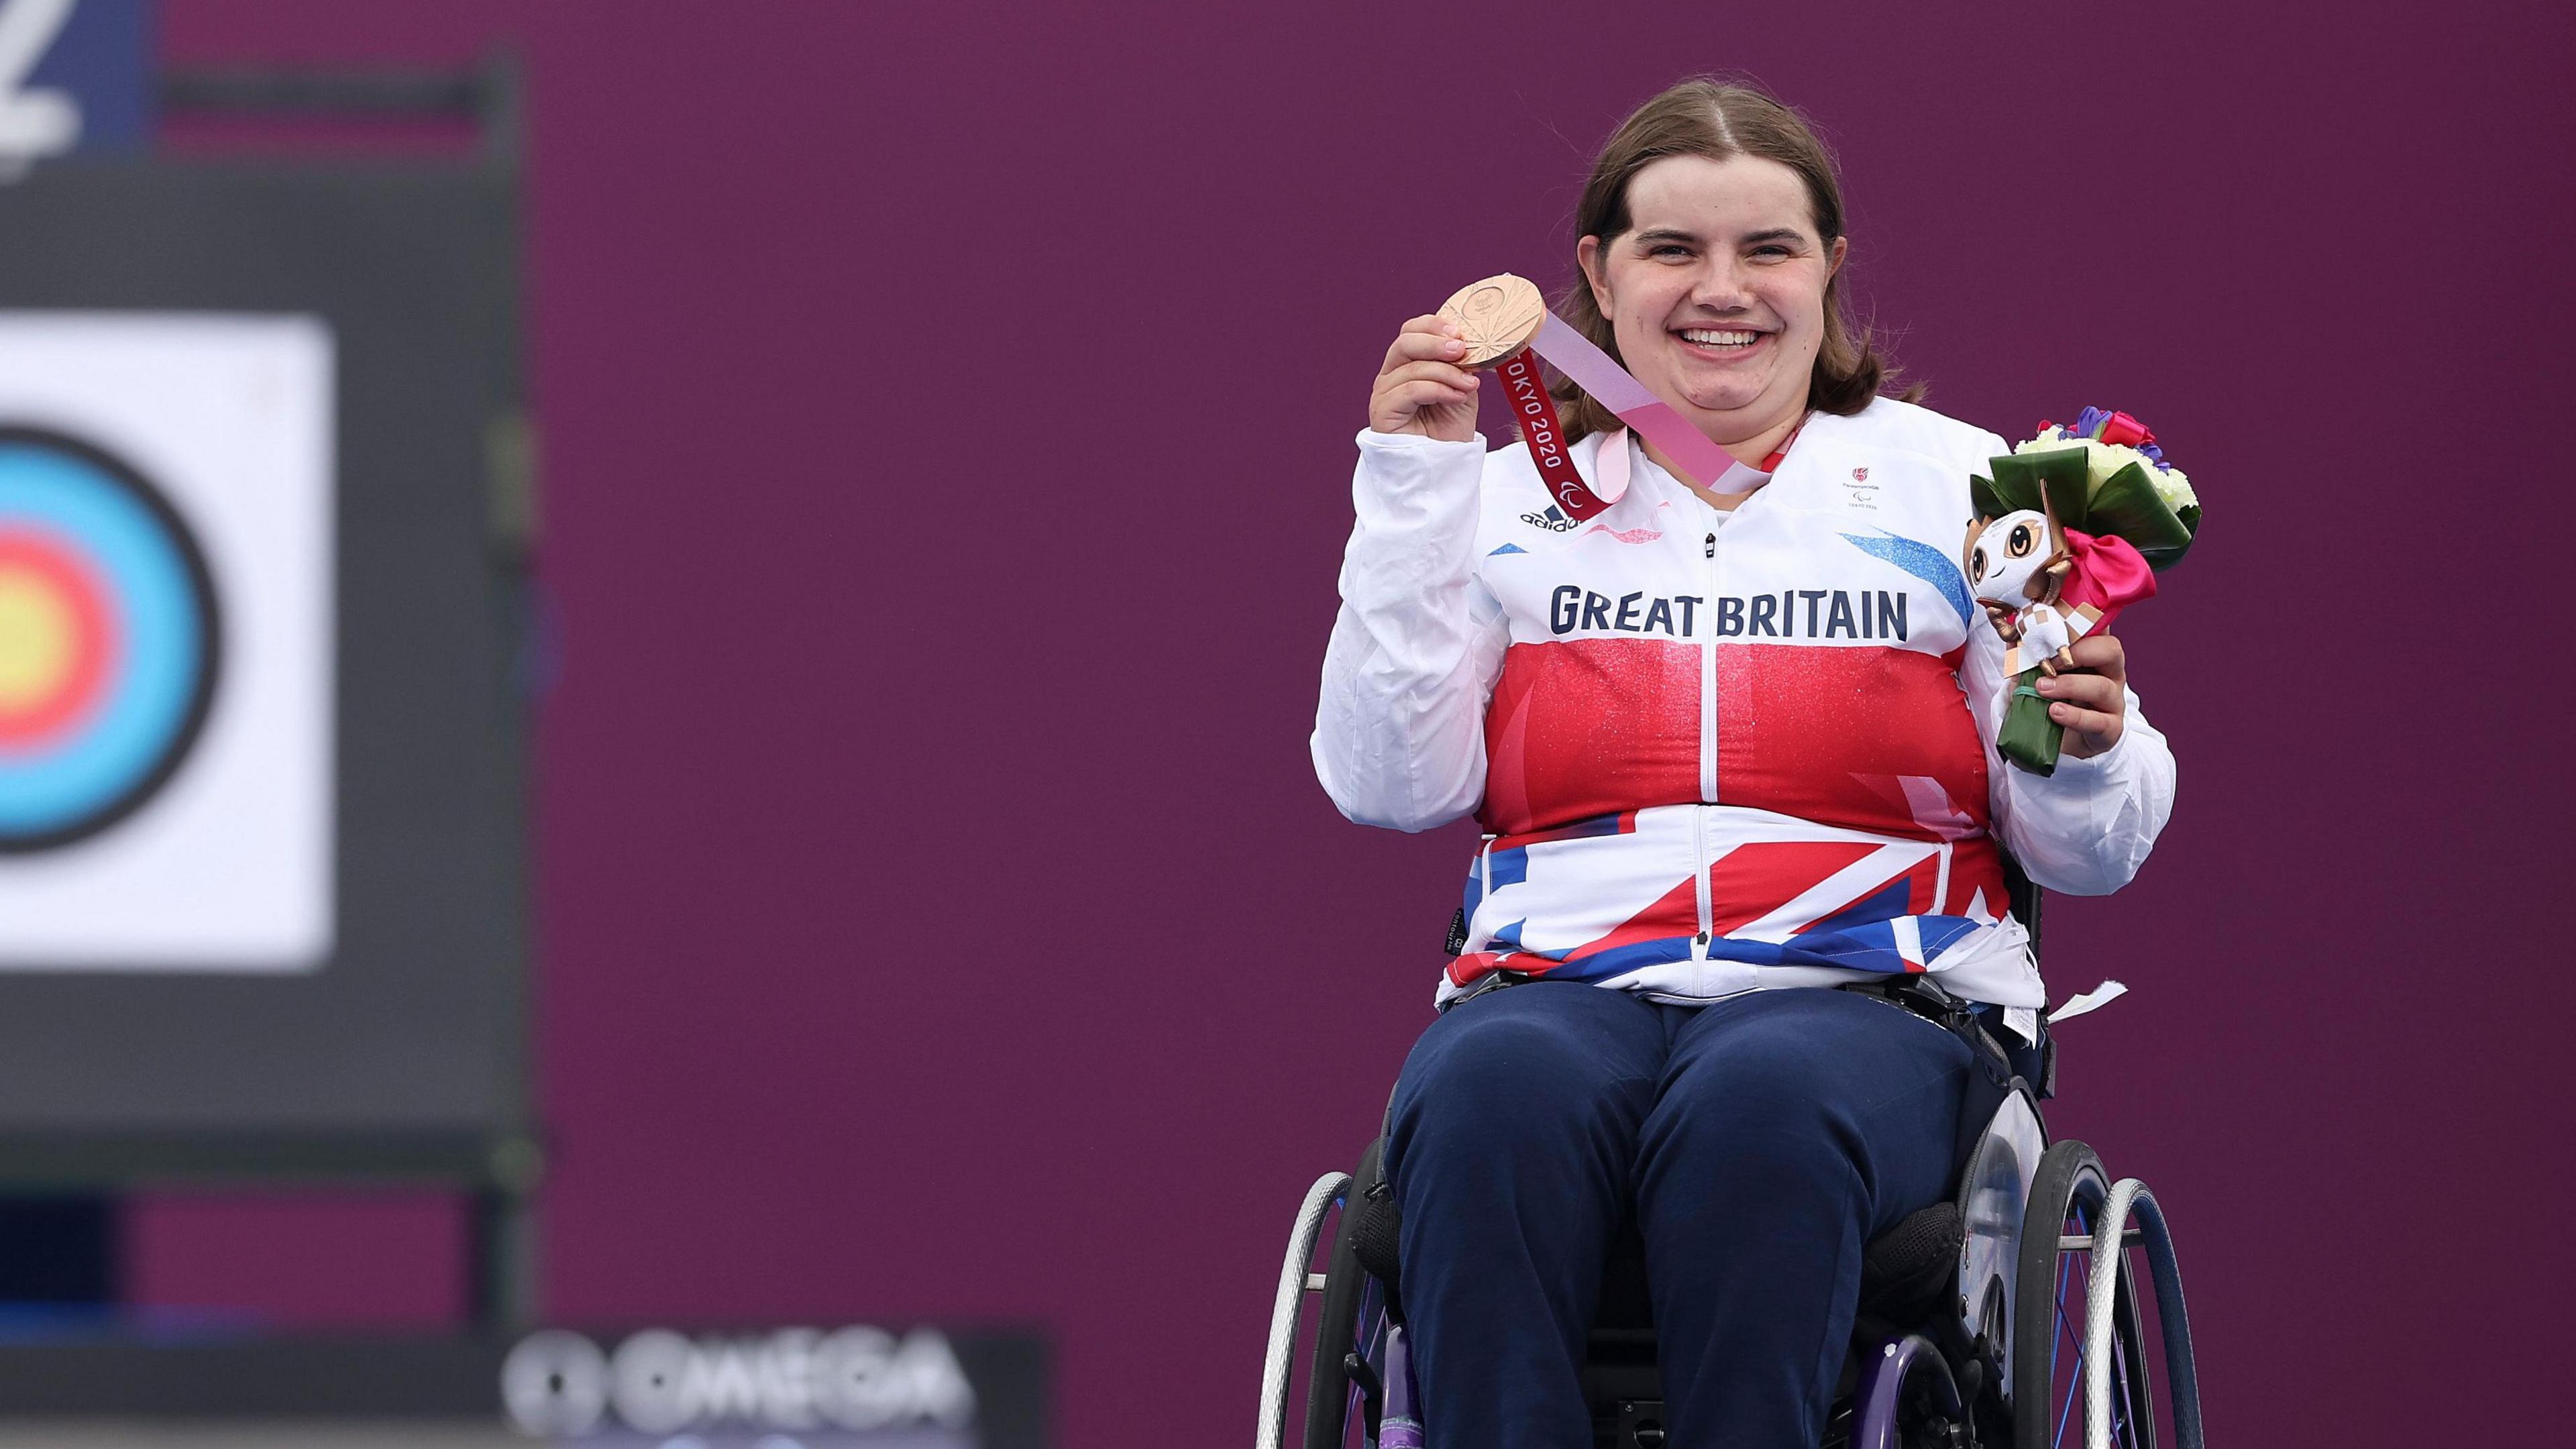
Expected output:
(946, 423)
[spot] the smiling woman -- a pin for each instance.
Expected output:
(1727, 750)
(1711, 172)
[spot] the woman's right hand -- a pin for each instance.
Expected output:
(1422, 389)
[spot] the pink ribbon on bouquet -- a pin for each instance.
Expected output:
(2109, 575)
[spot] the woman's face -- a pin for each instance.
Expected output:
(1716, 292)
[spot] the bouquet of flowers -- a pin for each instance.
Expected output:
(2073, 527)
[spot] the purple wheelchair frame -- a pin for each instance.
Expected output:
(1875, 1426)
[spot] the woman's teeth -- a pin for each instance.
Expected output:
(1707, 338)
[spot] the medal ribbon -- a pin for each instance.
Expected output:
(1593, 370)
(1534, 413)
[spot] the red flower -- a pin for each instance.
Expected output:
(2125, 430)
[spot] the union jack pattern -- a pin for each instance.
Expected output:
(1723, 759)
(1556, 903)
(1711, 751)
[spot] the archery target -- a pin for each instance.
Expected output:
(166, 638)
(108, 639)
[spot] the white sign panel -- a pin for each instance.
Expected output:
(166, 640)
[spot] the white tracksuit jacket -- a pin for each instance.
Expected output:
(1711, 752)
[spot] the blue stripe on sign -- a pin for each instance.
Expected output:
(154, 675)
(1923, 561)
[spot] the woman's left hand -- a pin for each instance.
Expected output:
(2088, 699)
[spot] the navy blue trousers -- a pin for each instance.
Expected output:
(1759, 1142)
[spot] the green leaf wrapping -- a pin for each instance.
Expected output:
(2024, 480)
(2029, 738)
(1982, 494)
(2126, 506)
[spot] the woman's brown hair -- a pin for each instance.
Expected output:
(1719, 119)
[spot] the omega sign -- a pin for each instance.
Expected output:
(852, 1381)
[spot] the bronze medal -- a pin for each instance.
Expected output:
(1498, 316)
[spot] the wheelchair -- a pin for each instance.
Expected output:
(2007, 1317)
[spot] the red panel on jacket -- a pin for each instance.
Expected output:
(1585, 727)
(1872, 739)
(1869, 739)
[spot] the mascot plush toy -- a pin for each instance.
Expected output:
(2072, 528)
(2016, 566)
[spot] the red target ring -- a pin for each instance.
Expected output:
(58, 640)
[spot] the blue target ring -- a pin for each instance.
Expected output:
(109, 639)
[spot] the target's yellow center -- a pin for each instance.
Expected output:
(37, 636)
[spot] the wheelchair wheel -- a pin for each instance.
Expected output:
(1906, 1398)
(1296, 1284)
(1349, 1326)
(2051, 1311)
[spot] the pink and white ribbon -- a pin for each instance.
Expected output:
(1609, 384)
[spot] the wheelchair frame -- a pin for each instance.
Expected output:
(2035, 1218)
(1908, 1392)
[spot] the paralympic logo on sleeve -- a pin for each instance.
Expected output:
(110, 641)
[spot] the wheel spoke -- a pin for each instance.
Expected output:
(2066, 1322)
(2075, 1265)
(2068, 1408)
(2075, 1379)
(2121, 1412)
(2062, 1262)
(2124, 1407)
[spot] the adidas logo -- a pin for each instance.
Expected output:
(1553, 520)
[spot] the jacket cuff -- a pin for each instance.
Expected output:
(2089, 772)
(1374, 441)
(2083, 798)
(1402, 474)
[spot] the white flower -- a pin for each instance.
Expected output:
(2173, 488)
(2101, 460)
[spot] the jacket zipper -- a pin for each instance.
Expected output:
(1707, 753)
(1708, 683)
